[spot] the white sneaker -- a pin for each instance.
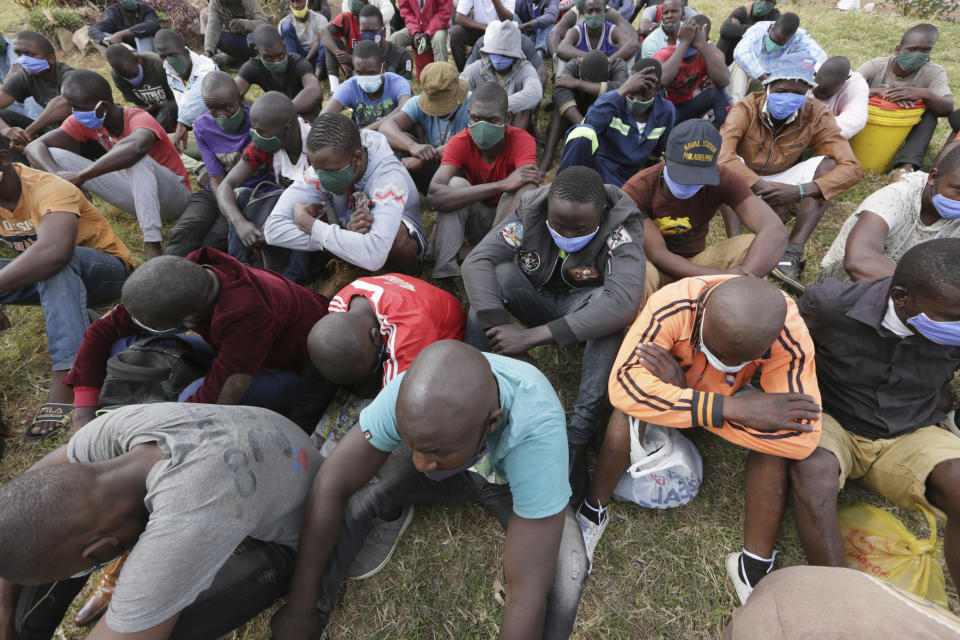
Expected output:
(591, 534)
(733, 572)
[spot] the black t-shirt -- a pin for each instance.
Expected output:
(397, 60)
(22, 85)
(254, 72)
(153, 89)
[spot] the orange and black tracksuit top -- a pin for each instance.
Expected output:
(671, 319)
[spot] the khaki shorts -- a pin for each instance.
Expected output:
(896, 468)
(722, 255)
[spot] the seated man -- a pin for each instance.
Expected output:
(530, 52)
(274, 69)
(764, 137)
(536, 18)
(652, 16)
(228, 24)
(845, 93)
(141, 173)
(575, 89)
(741, 19)
(670, 372)
(371, 93)
(440, 112)
(905, 77)
(278, 146)
(470, 22)
(40, 77)
(688, 65)
(322, 210)
(503, 62)
(484, 169)
(454, 408)
(255, 321)
(625, 130)
(207, 499)
(568, 264)
(127, 22)
(886, 353)
(342, 35)
(142, 80)
(596, 34)
(679, 199)
(185, 71)
(762, 46)
(69, 258)
(301, 30)
(425, 28)
(396, 59)
(918, 208)
(223, 134)
(8, 58)
(666, 34)
(574, 17)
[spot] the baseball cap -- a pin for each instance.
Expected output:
(692, 150)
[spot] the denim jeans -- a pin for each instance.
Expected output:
(90, 278)
(698, 105)
(398, 484)
(200, 225)
(293, 45)
(292, 265)
(253, 578)
(237, 44)
(534, 308)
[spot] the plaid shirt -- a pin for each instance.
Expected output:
(753, 56)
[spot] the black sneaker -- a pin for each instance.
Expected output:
(788, 272)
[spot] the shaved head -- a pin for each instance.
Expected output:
(271, 111)
(166, 289)
(220, 84)
(830, 77)
(341, 347)
(735, 335)
(168, 38)
(266, 35)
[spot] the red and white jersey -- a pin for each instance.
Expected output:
(412, 314)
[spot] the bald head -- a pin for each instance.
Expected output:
(266, 35)
(830, 77)
(734, 335)
(343, 347)
(272, 111)
(165, 290)
(168, 38)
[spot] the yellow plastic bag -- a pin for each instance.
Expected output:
(878, 543)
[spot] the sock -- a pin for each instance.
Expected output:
(334, 83)
(753, 567)
(596, 515)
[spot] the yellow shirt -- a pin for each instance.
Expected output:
(43, 192)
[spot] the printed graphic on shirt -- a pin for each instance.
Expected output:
(585, 273)
(673, 226)
(151, 94)
(366, 114)
(618, 237)
(512, 234)
(529, 261)
(18, 235)
(391, 192)
(229, 159)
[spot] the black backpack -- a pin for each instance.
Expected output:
(155, 369)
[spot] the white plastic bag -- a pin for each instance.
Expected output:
(665, 469)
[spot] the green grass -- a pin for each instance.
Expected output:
(657, 574)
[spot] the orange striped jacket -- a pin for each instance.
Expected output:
(671, 319)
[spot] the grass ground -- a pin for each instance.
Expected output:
(657, 574)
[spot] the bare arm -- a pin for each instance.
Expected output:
(468, 22)
(234, 387)
(46, 257)
(332, 106)
(502, 12)
(56, 111)
(567, 49)
(863, 256)
(242, 85)
(38, 151)
(158, 632)
(310, 96)
(393, 128)
(627, 46)
(771, 236)
(442, 197)
(560, 30)
(250, 234)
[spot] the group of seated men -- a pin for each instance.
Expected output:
(211, 508)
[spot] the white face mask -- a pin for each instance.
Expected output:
(892, 322)
(713, 360)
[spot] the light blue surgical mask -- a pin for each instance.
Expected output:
(89, 119)
(782, 105)
(370, 84)
(571, 245)
(33, 65)
(500, 63)
(136, 81)
(945, 333)
(682, 191)
(947, 208)
(713, 360)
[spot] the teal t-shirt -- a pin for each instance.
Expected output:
(528, 449)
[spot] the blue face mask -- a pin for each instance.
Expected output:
(947, 208)
(782, 105)
(501, 63)
(89, 119)
(571, 245)
(690, 52)
(33, 65)
(136, 81)
(945, 333)
(682, 191)
(372, 36)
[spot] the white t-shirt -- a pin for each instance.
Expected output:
(898, 204)
(309, 28)
(483, 10)
(283, 168)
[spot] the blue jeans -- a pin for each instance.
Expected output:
(398, 483)
(534, 308)
(292, 265)
(90, 278)
(255, 576)
(698, 105)
(236, 44)
(293, 45)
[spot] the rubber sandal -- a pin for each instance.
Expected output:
(49, 412)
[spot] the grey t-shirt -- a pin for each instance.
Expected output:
(879, 74)
(228, 472)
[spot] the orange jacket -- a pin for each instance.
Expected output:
(747, 133)
(671, 319)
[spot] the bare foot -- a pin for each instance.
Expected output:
(152, 249)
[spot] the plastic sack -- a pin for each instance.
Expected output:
(665, 470)
(339, 417)
(878, 543)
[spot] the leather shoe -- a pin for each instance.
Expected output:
(98, 601)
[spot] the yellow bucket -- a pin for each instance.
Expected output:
(887, 127)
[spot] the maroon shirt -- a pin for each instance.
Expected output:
(260, 321)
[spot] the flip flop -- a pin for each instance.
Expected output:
(50, 411)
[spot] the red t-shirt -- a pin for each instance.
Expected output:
(162, 150)
(260, 321)
(412, 314)
(347, 27)
(519, 148)
(684, 223)
(690, 75)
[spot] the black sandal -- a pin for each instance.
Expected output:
(49, 412)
